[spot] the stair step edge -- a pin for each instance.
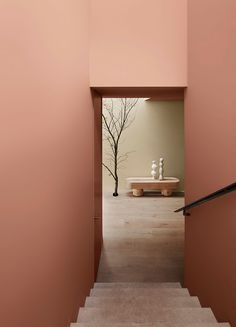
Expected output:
(142, 301)
(137, 285)
(161, 315)
(144, 291)
(112, 324)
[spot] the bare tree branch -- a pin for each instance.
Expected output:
(116, 119)
(109, 170)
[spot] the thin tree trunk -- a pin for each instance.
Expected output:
(115, 171)
(116, 188)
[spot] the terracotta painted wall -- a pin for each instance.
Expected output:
(97, 104)
(138, 43)
(210, 117)
(46, 203)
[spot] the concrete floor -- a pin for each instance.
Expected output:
(143, 239)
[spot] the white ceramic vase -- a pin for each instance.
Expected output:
(154, 169)
(161, 169)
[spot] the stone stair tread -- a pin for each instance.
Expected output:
(137, 285)
(146, 315)
(142, 301)
(112, 324)
(138, 291)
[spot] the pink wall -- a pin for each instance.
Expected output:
(138, 43)
(46, 239)
(47, 209)
(97, 104)
(210, 114)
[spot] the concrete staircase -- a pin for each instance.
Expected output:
(144, 305)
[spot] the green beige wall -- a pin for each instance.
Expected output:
(157, 131)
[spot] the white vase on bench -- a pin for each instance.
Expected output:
(154, 169)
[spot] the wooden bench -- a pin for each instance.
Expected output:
(139, 184)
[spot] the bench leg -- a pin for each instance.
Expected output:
(138, 192)
(166, 192)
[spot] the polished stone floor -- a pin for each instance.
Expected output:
(143, 239)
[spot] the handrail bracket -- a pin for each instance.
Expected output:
(185, 213)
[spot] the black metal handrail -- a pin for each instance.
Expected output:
(209, 197)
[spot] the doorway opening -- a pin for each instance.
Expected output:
(143, 239)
